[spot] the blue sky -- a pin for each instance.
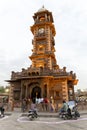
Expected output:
(70, 20)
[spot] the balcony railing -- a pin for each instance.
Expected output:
(41, 72)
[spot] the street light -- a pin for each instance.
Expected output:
(7, 90)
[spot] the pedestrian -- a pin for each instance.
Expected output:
(45, 101)
(24, 105)
(52, 106)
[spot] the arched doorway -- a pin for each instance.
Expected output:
(36, 92)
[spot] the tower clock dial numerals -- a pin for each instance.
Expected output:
(41, 30)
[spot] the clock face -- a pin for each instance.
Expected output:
(41, 30)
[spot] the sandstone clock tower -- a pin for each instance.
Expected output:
(43, 41)
(44, 78)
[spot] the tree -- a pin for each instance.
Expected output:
(2, 89)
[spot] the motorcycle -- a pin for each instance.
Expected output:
(70, 114)
(76, 113)
(32, 114)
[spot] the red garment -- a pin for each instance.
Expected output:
(45, 100)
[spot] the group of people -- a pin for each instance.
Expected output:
(44, 103)
(47, 104)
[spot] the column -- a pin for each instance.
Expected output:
(11, 98)
(64, 90)
(26, 95)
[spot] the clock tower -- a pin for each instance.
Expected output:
(43, 41)
(43, 78)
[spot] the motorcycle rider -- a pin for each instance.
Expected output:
(64, 107)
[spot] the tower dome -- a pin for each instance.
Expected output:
(42, 9)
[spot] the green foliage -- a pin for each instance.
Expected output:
(2, 89)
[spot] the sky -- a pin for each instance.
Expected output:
(70, 20)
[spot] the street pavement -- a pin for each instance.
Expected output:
(48, 121)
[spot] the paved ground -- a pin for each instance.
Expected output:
(47, 121)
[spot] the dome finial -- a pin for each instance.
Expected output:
(43, 6)
(42, 9)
